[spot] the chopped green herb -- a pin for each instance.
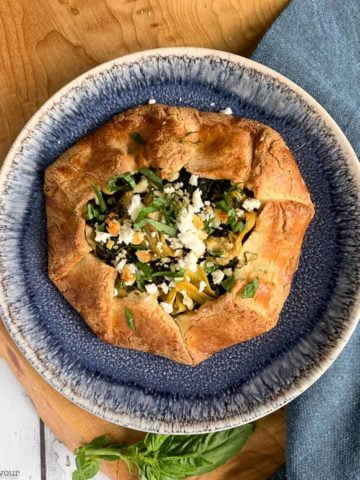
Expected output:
(210, 268)
(169, 214)
(170, 274)
(152, 177)
(140, 280)
(155, 206)
(228, 283)
(101, 228)
(142, 246)
(138, 138)
(144, 273)
(146, 270)
(236, 225)
(250, 289)
(208, 225)
(127, 182)
(216, 253)
(161, 227)
(90, 212)
(223, 205)
(130, 319)
(100, 199)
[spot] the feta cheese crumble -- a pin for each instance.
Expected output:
(151, 288)
(202, 286)
(120, 265)
(197, 201)
(227, 111)
(167, 307)
(135, 206)
(218, 276)
(194, 180)
(102, 236)
(190, 261)
(126, 233)
(189, 304)
(151, 101)
(251, 204)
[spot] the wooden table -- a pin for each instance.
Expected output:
(43, 45)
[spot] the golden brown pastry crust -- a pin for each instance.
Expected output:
(231, 148)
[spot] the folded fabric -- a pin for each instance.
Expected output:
(316, 43)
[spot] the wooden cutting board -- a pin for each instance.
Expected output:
(47, 43)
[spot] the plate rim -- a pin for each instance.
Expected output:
(299, 385)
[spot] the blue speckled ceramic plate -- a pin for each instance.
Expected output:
(241, 383)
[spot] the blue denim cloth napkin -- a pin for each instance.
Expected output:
(316, 43)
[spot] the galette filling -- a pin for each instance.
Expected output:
(179, 239)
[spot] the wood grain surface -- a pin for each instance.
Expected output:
(46, 43)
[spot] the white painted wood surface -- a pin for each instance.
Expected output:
(20, 438)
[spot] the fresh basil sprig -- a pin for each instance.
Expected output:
(164, 457)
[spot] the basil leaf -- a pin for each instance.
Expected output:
(154, 441)
(128, 182)
(155, 206)
(100, 198)
(80, 458)
(152, 177)
(250, 289)
(161, 227)
(223, 205)
(146, 270)
(228, 283)
(208, 225)
(99, 442)
(198, 454)
(140, 281)
(138, 138)
(129, 319)
(210, 268)
(88, 470)
(236, 225)
(170, 274)
(168, 457)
